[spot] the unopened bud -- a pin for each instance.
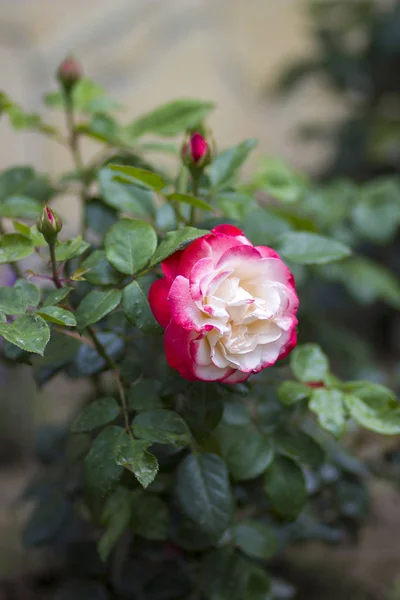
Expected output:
(196, 152)
(49, 224)
(69, 73)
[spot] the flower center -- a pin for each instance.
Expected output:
(244, 322)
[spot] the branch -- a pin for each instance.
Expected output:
(76, 155)
(117, 376)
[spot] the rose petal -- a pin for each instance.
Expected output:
(170, 265)
(177, 349)
(158, 295)
(231, 231)
(184, 310)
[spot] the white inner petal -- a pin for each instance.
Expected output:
(251, 311)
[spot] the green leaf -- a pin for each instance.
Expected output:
(12, 301)
(60, 351)
(95, 306)
(236, 412)
(130, 199)
(161, 426)
(101, 272)
(103, 128)
(57, 315)
(141, 176)
(71, 249)
(56, 296)
(133, 455)
(386, 423)
(37, 238)
(88, 360)
(91, 97)
(285, 487)
(172, 118)
(307, 248)
(29, 332)
(161, 147)
(221, 575)
(136, 305)
(225, 166)
(309, 363)
(150, 516)
(280, 181)
(328, 406)
(145, 395)
(374, 394)
(191, 200)
(23, 181)
(14, 246)
(262, 226)
(98, 413)
(190, 537)
(115, 517)
(20, 207)
(176, 240)
(258, 585)
(22, 228)
(102, 472)
(366, 280)
(203, 492)
(226, 575)
(255, 539)
(373, 406)
(379, 203)
(130, 245)
(299, 445)
(100, 217)
(247, 453)
(291, 392)
(202, 408)
(29, 290)
(236, 205)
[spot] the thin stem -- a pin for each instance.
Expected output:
(81, 338)
(94, 342)
(114, 369)
(73, 144)
(72, 133)
(53, 262)
(195, 189)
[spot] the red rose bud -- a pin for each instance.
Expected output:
(69, 73)
(196, 151)
(49, 224)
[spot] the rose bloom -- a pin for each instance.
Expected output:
(229, 308)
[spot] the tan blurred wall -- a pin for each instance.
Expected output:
(149, 51)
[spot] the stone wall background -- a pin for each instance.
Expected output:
(149, 51)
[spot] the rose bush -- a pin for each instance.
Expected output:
(229, 308)
(184, 482)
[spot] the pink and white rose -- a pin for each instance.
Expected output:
(229, 308)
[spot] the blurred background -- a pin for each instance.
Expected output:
(316, 82)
